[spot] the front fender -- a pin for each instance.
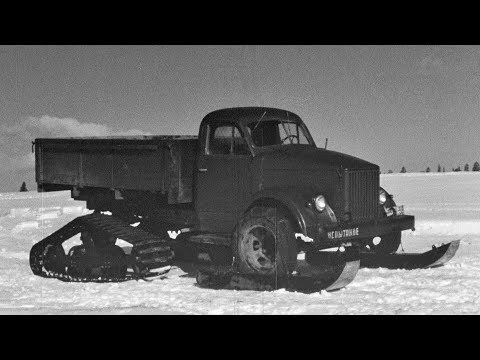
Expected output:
(296, 200)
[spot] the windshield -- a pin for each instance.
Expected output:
(278, 132)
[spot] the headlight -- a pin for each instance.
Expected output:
(382, 199)
(320, 203)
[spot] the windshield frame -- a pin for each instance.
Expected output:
(281, 122)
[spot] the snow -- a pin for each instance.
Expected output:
(77, 210)
(446, 207)
(25, 226)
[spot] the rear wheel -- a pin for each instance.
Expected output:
(54, 258)
(78, 266)
(115, 262)
(109, 261)
(103, 239)
(265, 243)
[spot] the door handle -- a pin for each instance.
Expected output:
(202, 170)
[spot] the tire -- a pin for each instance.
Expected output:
(76, 267)
(102, 239)
(265, 243)
(117, 260)
(54, 258)
(388, 243)
(109, 261)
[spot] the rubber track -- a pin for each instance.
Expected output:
(153, 245)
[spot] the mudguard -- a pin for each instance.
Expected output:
(295, 199)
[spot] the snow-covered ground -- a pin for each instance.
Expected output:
(446, 206)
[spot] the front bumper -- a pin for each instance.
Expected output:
(339, 233)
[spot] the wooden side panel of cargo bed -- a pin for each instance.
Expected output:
(165, 166)
(96, 169)
(140, 171)
(60, 167)
(125, 169)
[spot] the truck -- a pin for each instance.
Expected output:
(254, 201)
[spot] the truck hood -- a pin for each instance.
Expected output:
(299, 157)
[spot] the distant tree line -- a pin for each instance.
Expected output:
(476, 167)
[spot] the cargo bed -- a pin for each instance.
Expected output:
(161, 164)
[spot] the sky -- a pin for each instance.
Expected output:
(413, 106)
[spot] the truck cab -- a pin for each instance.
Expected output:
(261, 157)
(229, 158)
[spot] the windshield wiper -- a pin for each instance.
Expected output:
(258, 122)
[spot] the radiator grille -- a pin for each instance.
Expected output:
(361, 194)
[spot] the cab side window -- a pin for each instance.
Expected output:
(240, 146)
(226, 140)
(221, 140)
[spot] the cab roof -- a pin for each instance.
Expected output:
(247, 115)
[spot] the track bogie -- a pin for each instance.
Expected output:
(98, 258)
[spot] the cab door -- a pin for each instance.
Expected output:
(223, 176)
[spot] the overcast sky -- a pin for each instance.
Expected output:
(412, 106)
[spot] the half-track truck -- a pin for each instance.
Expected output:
(251, 196)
